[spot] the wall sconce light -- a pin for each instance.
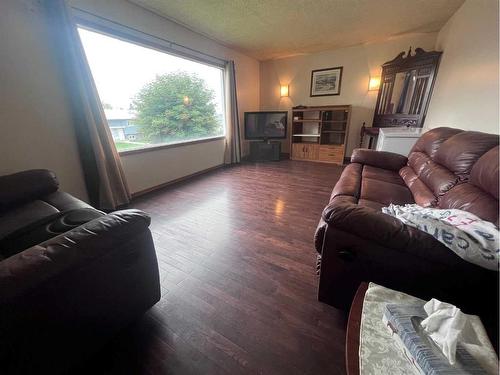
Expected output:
(374, 84)
(284, 91)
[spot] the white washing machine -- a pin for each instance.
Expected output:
(398, 140)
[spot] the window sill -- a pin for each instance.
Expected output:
(169, 145)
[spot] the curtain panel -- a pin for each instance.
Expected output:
(232, 152)
(104, 177)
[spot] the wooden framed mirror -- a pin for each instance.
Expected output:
(405, 91)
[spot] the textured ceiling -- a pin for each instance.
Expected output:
(267, 29)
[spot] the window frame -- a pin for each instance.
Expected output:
(127, 34)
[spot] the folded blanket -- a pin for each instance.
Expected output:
(471, 238)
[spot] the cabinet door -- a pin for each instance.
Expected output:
(298, 151)
(312, 152)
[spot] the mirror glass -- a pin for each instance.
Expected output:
(403, 94)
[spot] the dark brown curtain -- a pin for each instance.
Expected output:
(105, 180)
(233, 147)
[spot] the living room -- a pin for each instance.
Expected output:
(235, 274)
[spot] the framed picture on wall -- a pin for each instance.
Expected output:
(326, 82)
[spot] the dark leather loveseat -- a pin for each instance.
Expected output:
(447, 168)
(70, 275)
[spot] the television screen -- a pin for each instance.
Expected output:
(263, 125)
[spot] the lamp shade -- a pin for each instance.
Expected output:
(374, 83)
(283, 90)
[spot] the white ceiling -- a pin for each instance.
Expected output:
(267, 29)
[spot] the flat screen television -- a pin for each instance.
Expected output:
(265, 125)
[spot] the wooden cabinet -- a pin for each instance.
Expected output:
(331, 154)
(320, 133)
(312, 151)
(298, 151)
(305, 151)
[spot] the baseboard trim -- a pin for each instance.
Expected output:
(176, 181)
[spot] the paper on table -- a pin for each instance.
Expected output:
(446, 325)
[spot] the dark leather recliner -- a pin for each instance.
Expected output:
(70, 275)
(447, 168)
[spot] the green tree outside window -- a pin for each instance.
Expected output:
(176, 106)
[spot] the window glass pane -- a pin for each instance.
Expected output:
(152, 97)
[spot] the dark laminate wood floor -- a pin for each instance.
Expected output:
(237, 264)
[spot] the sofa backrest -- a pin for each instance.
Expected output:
(26, 186)
(445, 158)
(480, 194)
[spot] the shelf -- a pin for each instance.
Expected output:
(323, 108)
(319, 133)
(318, 120)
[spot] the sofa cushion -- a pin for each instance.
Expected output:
(422, 195)
(25, 215)
(432, 140)
(38, 210)
(459, 153)
(30, 223)
(468, 197)
(379, 159)
(385, 192)
(64, 201)
(429, 174)
(437, 178)
(381, 174)
(418, 160)
(442, 158)
(371, 184)
(485, 173)
(480, 195)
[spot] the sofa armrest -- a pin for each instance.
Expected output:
(380, 228)
(23, 271)
(26, 186)
(379, 159)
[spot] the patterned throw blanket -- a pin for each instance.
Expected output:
(471, 238)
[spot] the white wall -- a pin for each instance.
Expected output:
(34, 113)
(359, 62)
(155, 168)
(36, 125)
(467, 85)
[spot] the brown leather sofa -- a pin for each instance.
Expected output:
(447, 168)
(70, 275)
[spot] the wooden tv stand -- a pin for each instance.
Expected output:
(320, 133)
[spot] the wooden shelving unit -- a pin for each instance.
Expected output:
(320, 133)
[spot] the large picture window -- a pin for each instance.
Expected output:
(151, 97)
